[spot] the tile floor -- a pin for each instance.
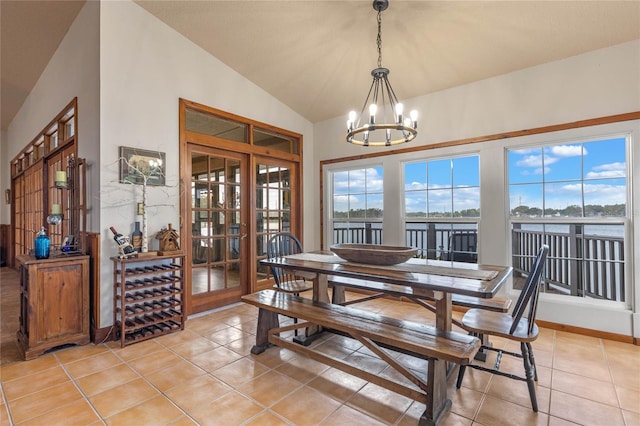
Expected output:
(206, 375)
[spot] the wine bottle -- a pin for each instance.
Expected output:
(122, 241)
(136, 238)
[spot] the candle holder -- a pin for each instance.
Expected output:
(61, 179)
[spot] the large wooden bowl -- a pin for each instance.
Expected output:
(373, 254)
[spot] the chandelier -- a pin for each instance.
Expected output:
(391, 127)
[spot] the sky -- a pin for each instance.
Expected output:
(554, 173)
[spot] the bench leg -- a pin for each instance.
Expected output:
(482, 353)
(437, 402)
(266, 321)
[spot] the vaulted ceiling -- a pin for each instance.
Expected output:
(316, 56)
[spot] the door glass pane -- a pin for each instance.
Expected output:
(273, 141)
(208, 124)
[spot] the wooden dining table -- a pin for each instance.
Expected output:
(421, 279)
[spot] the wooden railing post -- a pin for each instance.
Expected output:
(431, 241)
(575, 270)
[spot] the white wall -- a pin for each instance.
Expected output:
(599, 83)
(145, 68)
(72, 72)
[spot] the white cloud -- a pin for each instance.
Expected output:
(610, 170)
(567, 150)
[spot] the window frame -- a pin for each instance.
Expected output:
(568, 137)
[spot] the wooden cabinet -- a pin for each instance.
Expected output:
(54, 303)
(148, 296)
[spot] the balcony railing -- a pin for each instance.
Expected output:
(578, 264)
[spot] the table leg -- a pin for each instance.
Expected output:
(266, 321)
(320, 294)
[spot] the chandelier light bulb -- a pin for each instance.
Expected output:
(414, 115)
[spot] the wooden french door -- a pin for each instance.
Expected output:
(217, 247)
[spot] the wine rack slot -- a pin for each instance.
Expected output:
(148, 297)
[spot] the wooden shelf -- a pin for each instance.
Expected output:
(148, 294)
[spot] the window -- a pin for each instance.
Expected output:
(357, 205)
(572, 196)
(442, 207)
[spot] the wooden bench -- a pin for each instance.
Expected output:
(380, 289)
(378, 333)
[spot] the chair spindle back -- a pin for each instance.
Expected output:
(530, 292)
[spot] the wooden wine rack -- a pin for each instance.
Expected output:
(148, 294)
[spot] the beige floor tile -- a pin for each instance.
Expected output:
(155, 411)
(301, 368)
(155, 361)
(270, 388)
(137, 350)
(629, 399)
(337, 384)
(379, 403)
(226, 335)
(626, 377)
(631, 418)
(204, 325)
(92, 364)
(242, 346)
(4, 415)
(249, 326)
(465, 402)
(267, 418)
(598, 370)
(120, 398)
(183, 421)
(75, 353)
(216, 358)
(25, 368)
(78, 412)
(230, 409)
(349, 416)
(25, 385)
(194, 347)
(517, 392)
(240, 371)
(556, 421)
(39, 403)
(197, 392)
(595, 390)
(172, 339)
(494, 411)
(178, 372)
(307, 407)
(101, 381)
(413, 414)
(584, 411)
(274, 357)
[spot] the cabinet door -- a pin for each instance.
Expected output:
(61, 295)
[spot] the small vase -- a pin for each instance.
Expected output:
(42, 245)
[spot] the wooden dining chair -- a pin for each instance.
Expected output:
(283, 244)
(515, 326)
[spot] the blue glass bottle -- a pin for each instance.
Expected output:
(43, 243)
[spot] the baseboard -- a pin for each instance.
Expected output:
(588, 332)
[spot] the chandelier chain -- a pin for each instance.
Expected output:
(379, 39)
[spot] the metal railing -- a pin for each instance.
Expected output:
(578, 264)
